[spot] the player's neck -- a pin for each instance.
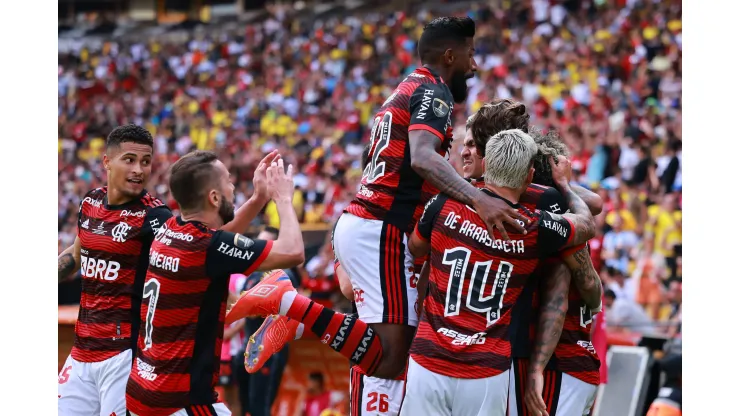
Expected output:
(510, 194)
(209, 219)
(116, 197)
(437, 69)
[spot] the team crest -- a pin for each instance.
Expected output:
(440, 107)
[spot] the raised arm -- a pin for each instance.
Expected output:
(592, 199)
(230, 253)
(287, 251)
(69, 260)
(246, 213)
(584, 225)
(554, 289)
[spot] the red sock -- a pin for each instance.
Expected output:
(345, 334)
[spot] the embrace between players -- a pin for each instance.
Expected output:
(496, 251)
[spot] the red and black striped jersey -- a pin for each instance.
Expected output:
(182, 313)
(574, 353)
(391, 190)
(474, 281)
(524, 314)
(114, 248)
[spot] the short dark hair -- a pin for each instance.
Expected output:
(271, 230)
(547, 145)
(190, 177)
(129, 133)
(494, 117)
(608, 293)
(366, 154)
(442, 33)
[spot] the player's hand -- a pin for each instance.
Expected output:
(561, 170)
(495, 212)
(261, 190)
(533, 394)
(280, 182)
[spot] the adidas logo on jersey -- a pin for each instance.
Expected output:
(86, 224)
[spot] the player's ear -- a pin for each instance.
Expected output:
(530, 176)
(214, 198)
(448, 56)
(106, 162)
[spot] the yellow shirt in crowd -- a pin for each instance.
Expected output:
(667, 229)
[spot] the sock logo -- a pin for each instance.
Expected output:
(263, 291)
(341, 337)
(362, 348)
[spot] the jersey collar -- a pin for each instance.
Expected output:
(124, 205)
(495, 195)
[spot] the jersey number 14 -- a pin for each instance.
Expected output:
(458, 260)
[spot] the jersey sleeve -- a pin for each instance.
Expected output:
(573, 250)
(431, 212)
(554, 232)
(430, 109)
(230, 253)
(553, 201)
(155, 218)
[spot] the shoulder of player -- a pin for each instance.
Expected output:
(438, 201)
(534, 192)
(230, 244)
(96, 193)
(150, 201)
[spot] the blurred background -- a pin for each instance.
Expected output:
(243, 77)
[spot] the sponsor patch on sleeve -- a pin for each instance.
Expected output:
(242, 241)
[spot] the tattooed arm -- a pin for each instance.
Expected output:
(593, 201)
(69, 260)
(585, 277)
(436, 170)
(584, 225)
(554, 289)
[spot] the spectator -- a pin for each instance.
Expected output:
(648, 274)
(669, 400)
(618, 246)
(624, 314)
(317, 398)
(664, 223)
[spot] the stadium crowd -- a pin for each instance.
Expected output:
(605, 74)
